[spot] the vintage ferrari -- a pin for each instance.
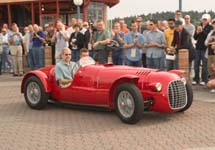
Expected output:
(128, 90)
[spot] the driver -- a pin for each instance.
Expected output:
(65, 69)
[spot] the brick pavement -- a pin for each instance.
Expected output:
(59, 128)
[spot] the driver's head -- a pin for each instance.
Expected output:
(84, 53)
(66, 55)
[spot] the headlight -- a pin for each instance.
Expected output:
(158, 86)
(183, 79)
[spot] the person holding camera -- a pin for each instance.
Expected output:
(200, 37)
(210, 52)
(15, 42)
(61, 38)
(117, 53)
(38, 38)
(76, 43)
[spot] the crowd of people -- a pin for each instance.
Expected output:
(150, 43)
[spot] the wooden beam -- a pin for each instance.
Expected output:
(40, 12)
(32, 13)
(58, 9)
(9, 15)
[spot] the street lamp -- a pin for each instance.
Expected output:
(78, 3)
(180, 5)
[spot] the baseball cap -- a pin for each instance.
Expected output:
(206, 16)
(178, 22)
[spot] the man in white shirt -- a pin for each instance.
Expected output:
(6, 60)
(61, 38)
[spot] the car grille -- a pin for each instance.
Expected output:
(177, 94)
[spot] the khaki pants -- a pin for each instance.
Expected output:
(16, 53)
(57, 56)
(211, 73)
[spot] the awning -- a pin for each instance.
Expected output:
(15, 1)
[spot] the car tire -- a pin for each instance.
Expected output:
(129, 97)
(189, 97)
(34, 93)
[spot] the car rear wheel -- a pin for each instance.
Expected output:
(34, 93)
(129, 103)
(189, 97)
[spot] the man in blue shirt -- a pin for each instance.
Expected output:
(38, 39)
(155, 44)
(133, 43)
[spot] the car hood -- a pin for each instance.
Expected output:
(128, 69)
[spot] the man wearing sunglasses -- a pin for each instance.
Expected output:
(65, 69)
(155, 44)
(178, 16)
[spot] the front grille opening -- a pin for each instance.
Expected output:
(177, 94)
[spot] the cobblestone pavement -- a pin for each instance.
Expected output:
(60, 128)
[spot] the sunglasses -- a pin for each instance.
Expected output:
(67, 54)
(151, 24)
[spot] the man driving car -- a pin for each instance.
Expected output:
(65, 69)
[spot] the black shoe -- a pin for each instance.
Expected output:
(15, 75)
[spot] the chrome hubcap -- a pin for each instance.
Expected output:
(125, 103)
(33, 93)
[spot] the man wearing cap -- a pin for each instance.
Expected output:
(182, 40)
(200, 37)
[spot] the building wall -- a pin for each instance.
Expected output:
(24, 12)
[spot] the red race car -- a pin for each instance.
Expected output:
(128, 90)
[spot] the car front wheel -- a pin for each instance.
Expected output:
(34, 93)
(129, 103)
(189, 97)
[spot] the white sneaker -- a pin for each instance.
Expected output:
(194, 83)
(202, 83)
(212, 91)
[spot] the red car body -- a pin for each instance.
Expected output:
(97, 85)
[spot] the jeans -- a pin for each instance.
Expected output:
(117, 57)
(38, 57)
(6, 59)
(16, 53)
(200, 56)
(134, 63)
(155, 63)
(91, 53)
(144, 59)
(0, 62)
(75, 55)
(31, 61)
(172, 64)
(101, 56)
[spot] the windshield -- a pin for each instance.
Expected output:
(86, 61)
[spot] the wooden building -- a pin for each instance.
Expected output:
(24, 12)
